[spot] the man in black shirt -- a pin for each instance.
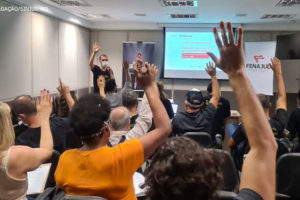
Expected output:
(24, 107)
(103, 70)
(294, 122)
(222, 113)
(278, 122)
(196, 119)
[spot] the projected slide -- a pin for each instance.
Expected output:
(185, 53)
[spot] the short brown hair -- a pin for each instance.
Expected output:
(264, 100)
(181, 169)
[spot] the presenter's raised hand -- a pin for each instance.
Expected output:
(210, 69)
(276, 65)
(44, 105)
(96, 47)
(232, 54)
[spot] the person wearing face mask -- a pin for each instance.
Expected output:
(102, 70)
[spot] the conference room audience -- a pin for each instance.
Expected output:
(223, 112)
(294, 123)
(120, 121)
(103, 70)
(278, 122)
(24, 107)
(195, 118)
(98, 170)
(182, 170)
(165, 100)
(16, 160)
(108, 89)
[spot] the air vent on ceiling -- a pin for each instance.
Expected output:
(288, 3)
(184, 16)
(95, 16)
(140, 14)
(179, 3)
(277, 16)
(73, 3)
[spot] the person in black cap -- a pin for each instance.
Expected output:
(196, 119)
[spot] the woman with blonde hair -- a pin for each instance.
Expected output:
(16, 161)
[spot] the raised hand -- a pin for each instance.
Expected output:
(276, 65)
(44, 105)
(232, 54)
(210, 69)
(145, 75)
(96, 47)
(125, 65)
(63, 88)
(101, 81)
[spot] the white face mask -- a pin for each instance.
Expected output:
(104, 64)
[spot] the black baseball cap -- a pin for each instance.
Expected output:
(194, 98)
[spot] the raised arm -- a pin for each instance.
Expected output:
(146, 79)
(276, 67)
(211, 71)
(65, 92)
(126, 70)
(26, 158)
(96, 48)
(101, 85)
(258, 171)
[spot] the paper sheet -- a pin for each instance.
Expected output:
(138, 181)
(37, 179)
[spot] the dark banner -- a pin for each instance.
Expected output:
(133, 51)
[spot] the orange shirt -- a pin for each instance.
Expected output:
(106, 172)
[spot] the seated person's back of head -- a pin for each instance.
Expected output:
(130, 101)
(181, 169)
(195, 118)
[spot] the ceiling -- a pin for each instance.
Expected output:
(208, 11)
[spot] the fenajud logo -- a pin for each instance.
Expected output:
(256, 65)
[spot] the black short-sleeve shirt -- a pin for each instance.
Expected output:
(223, 112)
(294, 123)
(59, 129)
(278, 124)
(193, 122)
(97, 71)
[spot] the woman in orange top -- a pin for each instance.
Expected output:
(98, 170)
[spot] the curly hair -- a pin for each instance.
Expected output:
(181, 169)
(89, 115)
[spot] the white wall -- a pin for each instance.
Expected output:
(36, 50)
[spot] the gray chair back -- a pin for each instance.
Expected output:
(288, 175)
(229, 171)
(201, 138)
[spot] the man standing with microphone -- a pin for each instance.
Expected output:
(102, 70)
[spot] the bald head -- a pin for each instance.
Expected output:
(120, 119)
